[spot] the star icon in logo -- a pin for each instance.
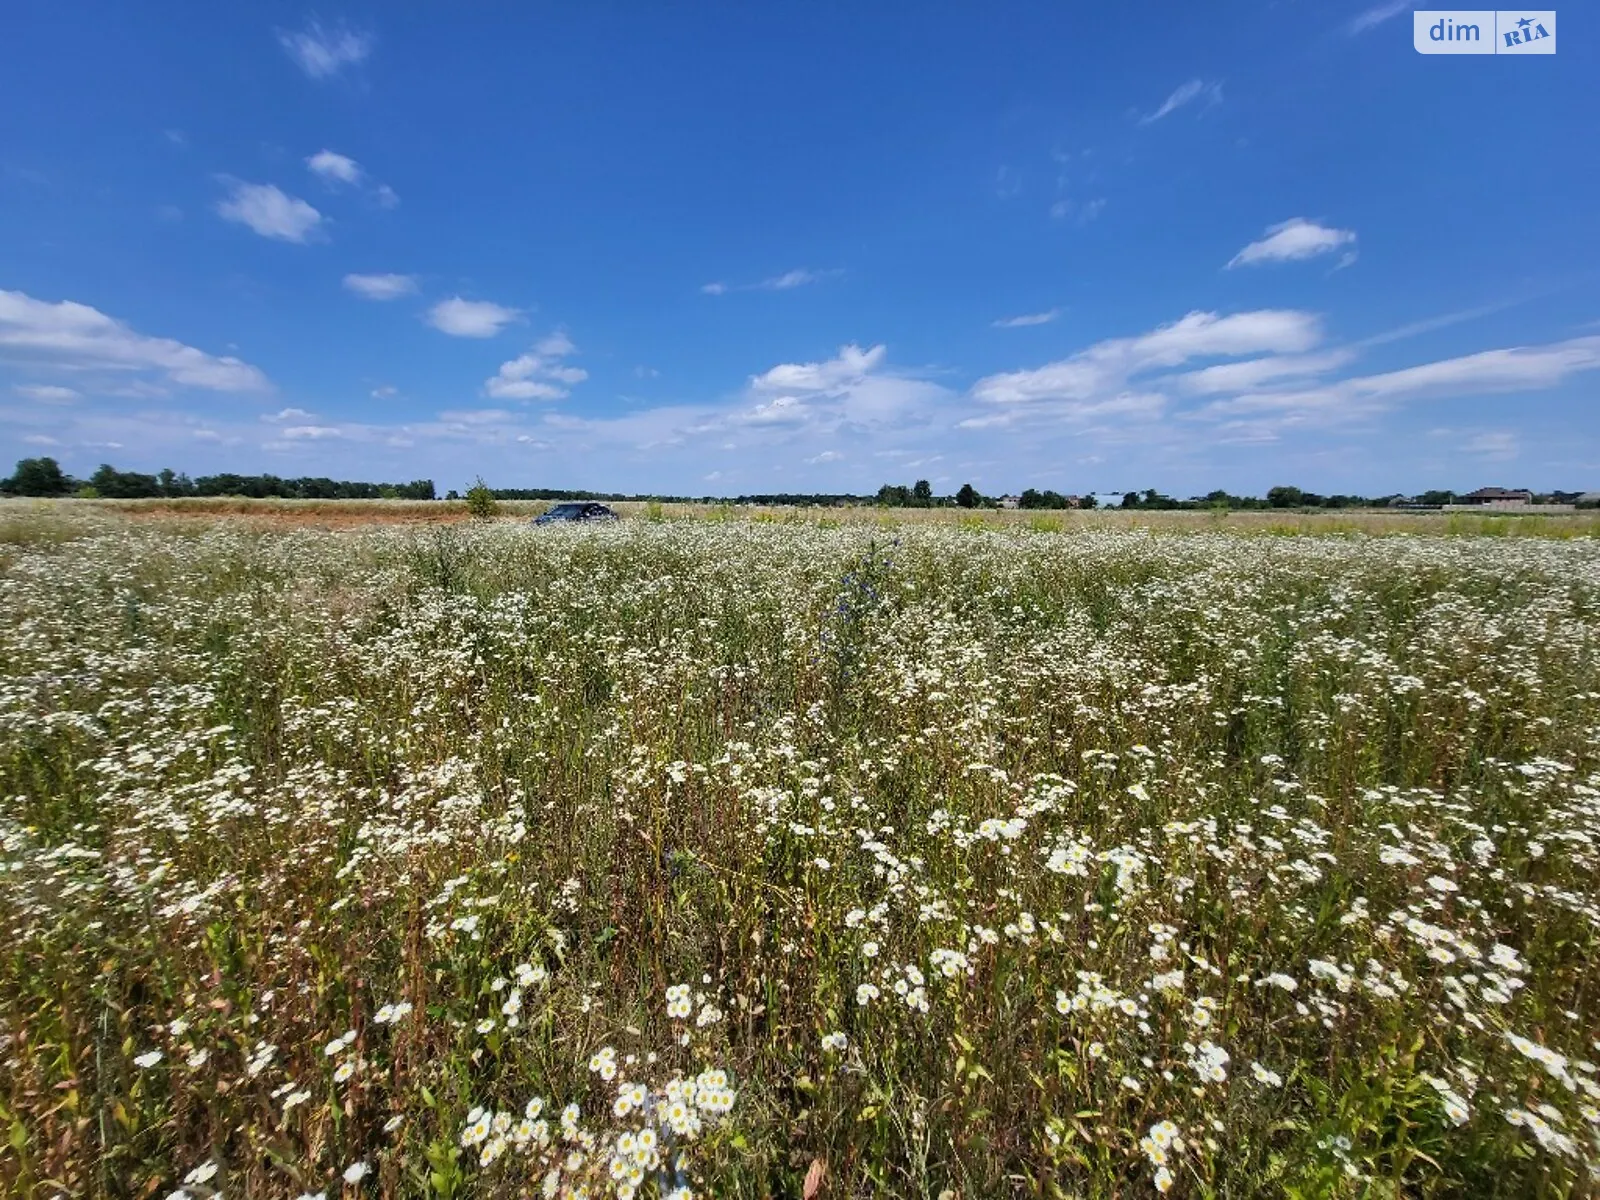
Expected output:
(1524, 23)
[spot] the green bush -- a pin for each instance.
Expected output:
(481, 502)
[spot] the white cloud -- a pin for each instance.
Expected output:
(1104, 367)
(1084, 212)
(1007, 182)
(1127, 404)
(512, 384)
(1377, 16)
(270, 212)
(781, 417)
(76, 336)
(381, 287)
(1184, 94)
(1027, 319)
(1428, 325)
(788, 281)
(555, 345)
(310, 432)
(851, 365)
(477, 416)
(286, 414)
(335, 167)
(139, 390)
(325, 52)
(539, 374)
(470, 318)
(1293, 240)
(1110, 381)
(1494, 445)
(40, 439)
(780, 410)
(1515, 369)
(46, 393)
(849, 393)
(1254, 372)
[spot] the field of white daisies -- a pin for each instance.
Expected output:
(722, 858)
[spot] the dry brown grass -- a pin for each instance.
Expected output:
(288, 514)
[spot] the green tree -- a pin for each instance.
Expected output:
(38, 477)
(922, 494)
(894, 495)
(1285, 497)
(480, 500)
(968, 496)
(124, 485)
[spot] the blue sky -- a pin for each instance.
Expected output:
(723, 248)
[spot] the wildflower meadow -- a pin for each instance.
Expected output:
(697, 857)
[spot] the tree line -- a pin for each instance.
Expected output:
(44, 477)
(920, 495)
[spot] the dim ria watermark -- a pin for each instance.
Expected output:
(1485, 31)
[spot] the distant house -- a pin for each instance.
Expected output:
(1010, 501)
(1493, 497)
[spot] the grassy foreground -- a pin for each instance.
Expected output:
(751, 859)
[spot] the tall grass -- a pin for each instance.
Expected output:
(908, 861)
(284, 514)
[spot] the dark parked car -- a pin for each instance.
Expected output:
(586, 510)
